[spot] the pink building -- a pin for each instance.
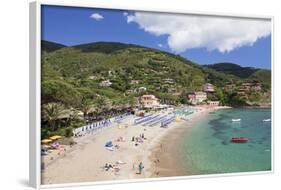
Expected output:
(149, 101)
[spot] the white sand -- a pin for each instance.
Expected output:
(84, 162)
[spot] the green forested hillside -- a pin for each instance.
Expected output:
(241, 72)
(262, 76)
(81, 68)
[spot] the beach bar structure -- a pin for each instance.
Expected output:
(213, 103)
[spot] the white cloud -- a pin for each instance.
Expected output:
(96, 16)
(160, 45)
(190, 31)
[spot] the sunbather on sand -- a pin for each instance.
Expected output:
(107, 166)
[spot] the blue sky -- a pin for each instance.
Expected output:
(215, 41)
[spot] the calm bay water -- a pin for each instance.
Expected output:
(207, 148)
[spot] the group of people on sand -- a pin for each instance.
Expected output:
(112, 167)
(115, 168)
(139, 139)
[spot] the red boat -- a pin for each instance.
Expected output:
(239, 139)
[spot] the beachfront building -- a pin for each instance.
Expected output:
(213, 103)
(149, 101)
(105, 83)
(197, 97)
(209, 88)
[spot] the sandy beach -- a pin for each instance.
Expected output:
(165, 165)
(85, 161)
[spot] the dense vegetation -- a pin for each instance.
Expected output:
(71, 78)
(241, 72)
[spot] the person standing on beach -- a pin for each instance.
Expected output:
(140, 167)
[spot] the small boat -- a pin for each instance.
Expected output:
(235, 120)
(266, 120)
(239, 139)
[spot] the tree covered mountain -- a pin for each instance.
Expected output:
(80, 69)
(237, 70)
(50, 46)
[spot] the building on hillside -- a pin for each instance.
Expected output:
(93, 77)
(208, 87)
(141, 89)
(213, 103)
(168, 81)
(105, 83)
(172, 90)
(256, 87)
(110, 73)
(197, 97)
(149, 101)
(248, 87)
(130, 91)
(229, 87)
(241, 93)
(245, 88)
(134, 82)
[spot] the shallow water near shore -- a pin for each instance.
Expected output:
(206, 147)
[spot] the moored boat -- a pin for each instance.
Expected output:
(239, 139)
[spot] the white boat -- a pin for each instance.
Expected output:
(266, 120)
(235, 120)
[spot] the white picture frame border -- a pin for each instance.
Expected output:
(35, 88)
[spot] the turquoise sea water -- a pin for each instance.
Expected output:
(207, 148)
